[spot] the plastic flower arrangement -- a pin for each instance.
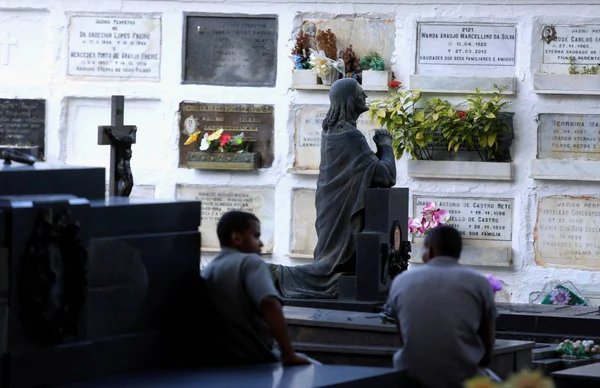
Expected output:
(495, 283)
(320, 64)
(431, 217)
(578, 349)
(218, 141)
(523, 379)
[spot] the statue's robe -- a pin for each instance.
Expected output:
(348, 168)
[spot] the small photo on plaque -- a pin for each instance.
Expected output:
(230, 50)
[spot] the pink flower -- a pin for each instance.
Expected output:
(439, 216)
(429, 208)
(495, 283)
(413, 225)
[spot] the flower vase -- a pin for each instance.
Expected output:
(330, 78)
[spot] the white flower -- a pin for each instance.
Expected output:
(204, 143)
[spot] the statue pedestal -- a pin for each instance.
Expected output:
(386, 211)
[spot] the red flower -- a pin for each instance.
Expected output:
(462, 114)
(224, 139)
(395, 84)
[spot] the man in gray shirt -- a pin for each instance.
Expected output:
(445, 314)
(242, 290)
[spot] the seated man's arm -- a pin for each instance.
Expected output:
(487, 329)
(261, 290)
(394, 305)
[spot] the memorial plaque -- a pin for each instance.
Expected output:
(127, 46)
(218, 200)
(22, 125)
(582, 42)
(304, 234)
(467, 44)
(255, 121)
(475, 218)
(308, 128)
(569, 136)
(567, 231)
(230, 50)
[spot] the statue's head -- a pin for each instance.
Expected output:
(348, 102)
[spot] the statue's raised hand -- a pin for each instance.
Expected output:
(382, 137)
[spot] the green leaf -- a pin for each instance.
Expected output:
(456, 147)
(419, 116)
(490, 116)
(381, 113)
(436, 116)
(491, 139)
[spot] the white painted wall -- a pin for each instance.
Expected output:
(37, 69)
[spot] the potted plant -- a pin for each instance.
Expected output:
(437, 131)
(301, 74)
(221, 151)
(374, 75)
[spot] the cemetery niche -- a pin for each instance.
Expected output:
(225, 136)
(230, 50)
(326, 50)
(475, 135)
(23, 126)
(567, 147)
(566, 58)
(461, 57)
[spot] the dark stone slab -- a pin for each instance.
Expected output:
(256, 121)
(23, 126)
(257, 376)
(581, 377)
(230, 50)
(84, 182)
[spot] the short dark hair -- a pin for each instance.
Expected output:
(445, 240)
(233, 221)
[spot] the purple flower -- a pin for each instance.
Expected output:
(560, 296)
(495, 283)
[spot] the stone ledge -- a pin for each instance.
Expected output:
(498, 255)
(300, 171)
(366, 88)
(462, 85)
(569, 170)
(566, 84)
(442, 169)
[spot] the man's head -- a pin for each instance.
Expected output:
(239, 230)
(348, 101)
(442, 241)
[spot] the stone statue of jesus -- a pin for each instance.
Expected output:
(348, 167)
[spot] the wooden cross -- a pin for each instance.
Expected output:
(119, 130)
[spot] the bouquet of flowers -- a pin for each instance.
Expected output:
(578, 349)
(431, 217)
(218, 141)
(525, 378)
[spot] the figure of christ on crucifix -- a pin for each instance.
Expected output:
(120, 137)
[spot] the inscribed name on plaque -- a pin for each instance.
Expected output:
(308, 125)
(569, 136)
(126, 47)
(467, 44)
(474, 218)
(304, 216)
(23, 126)
(217, 200)
(231, 50)
(567, 232)
(579, 43)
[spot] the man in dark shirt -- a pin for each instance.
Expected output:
(242, 290)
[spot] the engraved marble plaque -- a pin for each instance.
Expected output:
(304, 234)
(569, 136)
(22, 126)
(230, 50)
(567, 232)
(467, 44)
(476, 218)
(308, 128)
(582, 42)
(255, 121)
(123, 46)
(217, 200)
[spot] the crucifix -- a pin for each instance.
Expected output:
(120, 137)
(6, 42)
